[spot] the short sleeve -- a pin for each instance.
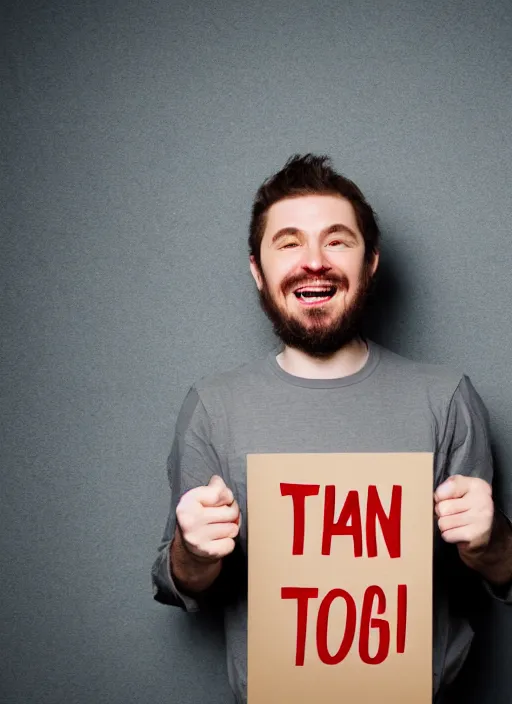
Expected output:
(465, 449)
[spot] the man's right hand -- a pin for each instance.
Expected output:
(208, 521)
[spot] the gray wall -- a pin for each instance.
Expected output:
(135, 134)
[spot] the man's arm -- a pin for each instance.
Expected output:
(178, 578)
(494, 561)
(468, 514)
(191, 574)
(207, 523)
(483, 535)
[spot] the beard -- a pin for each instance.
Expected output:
(319, 334)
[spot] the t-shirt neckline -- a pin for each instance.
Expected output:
(368, 368)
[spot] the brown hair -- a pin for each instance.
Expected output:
(311, 175)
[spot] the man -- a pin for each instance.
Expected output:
(314, 253)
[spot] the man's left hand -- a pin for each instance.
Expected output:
(465, 510)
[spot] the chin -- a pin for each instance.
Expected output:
(321, 316)
(321, 330)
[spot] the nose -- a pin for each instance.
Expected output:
(315, 259)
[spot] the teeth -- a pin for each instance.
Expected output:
(316, 294)
(310, 296)
(317, 289)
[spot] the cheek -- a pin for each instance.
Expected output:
(353, 269)
(276, 273)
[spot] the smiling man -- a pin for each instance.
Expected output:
(314, 275)
(314, 253)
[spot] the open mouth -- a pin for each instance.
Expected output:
(315, 295)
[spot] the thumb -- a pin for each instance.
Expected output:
(221, 496)
(455, 487)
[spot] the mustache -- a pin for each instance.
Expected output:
(292, 282)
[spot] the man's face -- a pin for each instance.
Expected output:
(313, 280)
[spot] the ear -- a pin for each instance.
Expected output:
(375, 263)
(255, 271)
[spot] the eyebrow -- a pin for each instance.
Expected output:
(332, 229)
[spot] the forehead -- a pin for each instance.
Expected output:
(311, 214)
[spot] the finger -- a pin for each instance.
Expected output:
(217, 495)
(216, 481)
(459, 520)
(202, 540)
(220, 514)
(225, 494)
(219, 531)
(464, 534)
(449, 507)
(453, 488)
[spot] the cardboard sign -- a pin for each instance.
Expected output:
(340, 578)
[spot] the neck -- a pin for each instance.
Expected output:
(346, 361)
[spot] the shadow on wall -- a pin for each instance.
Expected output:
(200, 639)
(385, 310)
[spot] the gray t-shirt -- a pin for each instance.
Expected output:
(391, 405)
